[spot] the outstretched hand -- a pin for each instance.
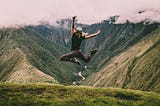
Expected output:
(92, 35)
(74, 17)
(99, 31)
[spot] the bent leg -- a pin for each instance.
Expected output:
(77, 53)
(80, 55)
(67, 57)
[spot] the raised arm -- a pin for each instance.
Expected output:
(92, 35)
(73, 25)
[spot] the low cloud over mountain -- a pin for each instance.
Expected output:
(22, 12)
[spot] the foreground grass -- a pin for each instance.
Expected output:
(57, 95)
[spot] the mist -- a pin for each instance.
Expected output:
(33, 12)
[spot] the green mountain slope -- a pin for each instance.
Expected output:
(25, 56)
(60, 33)
(115, 38)
(56, 95)
(136, 67)
(123, 50)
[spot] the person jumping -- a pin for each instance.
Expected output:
(77, 37)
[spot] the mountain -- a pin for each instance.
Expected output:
(59, 33)
(136, 67)
(123, 53)
(26, 56)
(113, 39)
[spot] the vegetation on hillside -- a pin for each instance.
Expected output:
(30, 51)
(12, 94)
(136, 67)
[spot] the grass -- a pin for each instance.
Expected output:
(14, 94)
(40, 53)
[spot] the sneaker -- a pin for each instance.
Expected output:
(74, 60)
(85, 67)
(93, 51)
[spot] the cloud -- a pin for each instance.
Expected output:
(22, 12)
(147, 15)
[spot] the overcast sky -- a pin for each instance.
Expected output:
(21, 12)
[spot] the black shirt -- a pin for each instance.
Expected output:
(77, 39)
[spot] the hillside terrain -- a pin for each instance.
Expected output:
(136, 67)
(59, 33)
(25, 57)
(12, 94)
(128, 55)
(113, 39)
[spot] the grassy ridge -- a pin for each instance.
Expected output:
(23, 49)
(44, 54)
(58, 95)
